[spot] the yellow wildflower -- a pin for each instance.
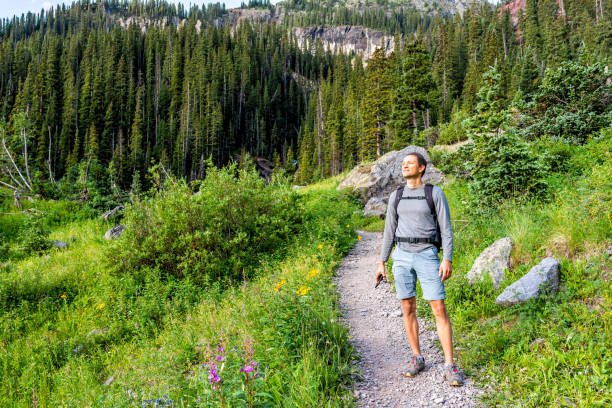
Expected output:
(101, 306)
(348, 226)
(279, 285)
(19, 267)
(303, 290)
(359, 237)
(320, 246)
(63, 295)
(97, 227)
(312, 274)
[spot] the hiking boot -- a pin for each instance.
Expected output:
(416, 365)
(452, 375)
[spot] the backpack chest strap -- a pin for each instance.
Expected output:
(418, 240)
(414, 198)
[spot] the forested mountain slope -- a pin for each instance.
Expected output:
(108, 88)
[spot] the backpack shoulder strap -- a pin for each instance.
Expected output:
(430, 201)
(434, 214)
(398, 196)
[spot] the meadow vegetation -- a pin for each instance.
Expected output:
(117, 324)
(219, 293)
(553, 351)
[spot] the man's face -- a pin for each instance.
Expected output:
(410, 167)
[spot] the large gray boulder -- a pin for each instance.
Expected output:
(381, 178)
(542, 277)
(375, 207)
(114, 232)
(493, 262)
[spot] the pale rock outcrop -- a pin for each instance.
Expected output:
(375, 207)
(114, 232)
(544, 276)
(345, 39)
(381, 178)
(237, 16)
(493, 261)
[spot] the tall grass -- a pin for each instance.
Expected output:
(555, 350)
(75, 332)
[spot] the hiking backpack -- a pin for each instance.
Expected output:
(437, 241)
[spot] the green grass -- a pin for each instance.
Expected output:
(69, 323)
(553, 351)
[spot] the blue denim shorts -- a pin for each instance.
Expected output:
(425, 265)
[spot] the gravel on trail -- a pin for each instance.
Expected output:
(375, 324)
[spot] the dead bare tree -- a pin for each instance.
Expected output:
(49, 160)
(9, 167)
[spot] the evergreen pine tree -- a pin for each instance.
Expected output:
(376, 105)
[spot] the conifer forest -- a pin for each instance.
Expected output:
(121, 86)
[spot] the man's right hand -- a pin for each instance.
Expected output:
(381, 271)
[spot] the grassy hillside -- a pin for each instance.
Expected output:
(140, 321)
(554, 351)
(78, 330)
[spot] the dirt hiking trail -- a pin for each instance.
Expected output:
(375, 323)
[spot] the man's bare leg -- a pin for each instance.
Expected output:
(443, 326)
(411, 325)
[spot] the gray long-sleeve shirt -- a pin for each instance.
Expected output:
(415, 221)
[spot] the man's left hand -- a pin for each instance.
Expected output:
(445, 270)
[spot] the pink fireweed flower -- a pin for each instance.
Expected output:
(222, 353)
(213, 377)
(247, 369)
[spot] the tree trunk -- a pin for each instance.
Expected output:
(414, 119)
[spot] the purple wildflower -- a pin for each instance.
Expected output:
(247, 369)
(213, 377)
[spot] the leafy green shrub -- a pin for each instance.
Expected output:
(453, 131)
(504, 167)
(554, 155)
(89, 181)
(572, 102)
(35, 236)
(458, 162)
(426, 137)
(501, 163)
(595, 152)
(4, 248)
(211, 235)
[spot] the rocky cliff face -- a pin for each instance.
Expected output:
(238, 16)
(516, 6)
(345, 39)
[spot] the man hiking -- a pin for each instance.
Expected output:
(420, 223)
